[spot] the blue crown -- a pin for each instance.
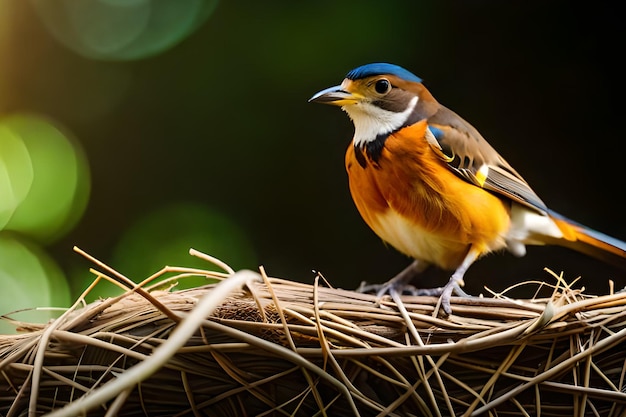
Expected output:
(381, 68)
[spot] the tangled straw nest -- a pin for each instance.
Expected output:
(252, 345)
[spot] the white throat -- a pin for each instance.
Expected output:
(371, 121)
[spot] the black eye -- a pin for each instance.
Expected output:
(382, 86)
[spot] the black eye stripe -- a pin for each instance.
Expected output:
(396, 100)
(391, 105)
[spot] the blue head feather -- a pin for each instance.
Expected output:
(381, 68)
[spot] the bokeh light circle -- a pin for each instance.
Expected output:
(30, 279)
(165, 235)
(122, 29)
(59, 188)
(16, 173)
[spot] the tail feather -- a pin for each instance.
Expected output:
(590, 242)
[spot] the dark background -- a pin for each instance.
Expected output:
(222, 119)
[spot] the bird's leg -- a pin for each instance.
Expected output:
(403, 278)
(399, 282)
(456, 280)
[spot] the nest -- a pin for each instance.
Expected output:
(252, 345)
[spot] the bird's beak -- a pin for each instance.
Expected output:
(336, 96)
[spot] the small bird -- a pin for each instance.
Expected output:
(426, 182)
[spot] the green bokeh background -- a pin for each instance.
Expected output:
(213, 115)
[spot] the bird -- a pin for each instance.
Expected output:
(430, 185)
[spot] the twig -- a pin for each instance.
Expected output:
(181, 334)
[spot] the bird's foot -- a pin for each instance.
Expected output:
(394, 286)
(400, 287)
(399, 283)
(383, 289)
(452, 287)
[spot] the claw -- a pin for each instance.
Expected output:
(456, 280)
(444, 299)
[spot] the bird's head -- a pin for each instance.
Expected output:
(379, 98)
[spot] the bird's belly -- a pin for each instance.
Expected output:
(412, 240)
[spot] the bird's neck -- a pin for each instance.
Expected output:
(372, 122)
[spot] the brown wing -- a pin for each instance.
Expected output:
(469, 155)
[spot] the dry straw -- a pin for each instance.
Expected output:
(252, 345)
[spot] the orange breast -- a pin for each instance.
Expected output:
(414, 202)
